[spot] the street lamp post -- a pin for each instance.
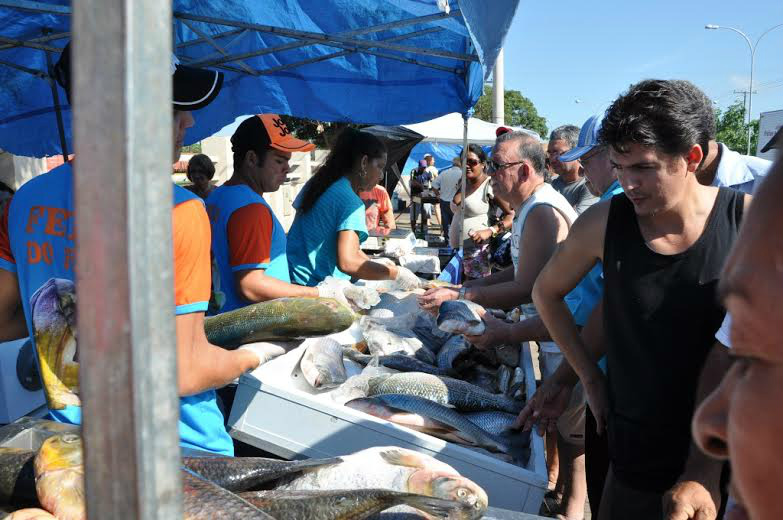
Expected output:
(752, 46)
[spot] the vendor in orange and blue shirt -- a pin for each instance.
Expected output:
(248, 242)
(37, 277)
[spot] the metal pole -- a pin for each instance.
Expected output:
(498, 91)
(57, 109)
(752, 47)
(465, 118)
(122, 131)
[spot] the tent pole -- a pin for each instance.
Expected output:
(57, 109)
(465, 118)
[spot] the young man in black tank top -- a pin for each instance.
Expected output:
(662, 245)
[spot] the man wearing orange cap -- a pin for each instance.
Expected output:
(248, 242)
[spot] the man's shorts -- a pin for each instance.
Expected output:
(571, 424)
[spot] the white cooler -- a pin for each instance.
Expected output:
(272, 414)
(15, 400)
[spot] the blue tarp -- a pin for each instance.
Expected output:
(443, 153)
(356, 87)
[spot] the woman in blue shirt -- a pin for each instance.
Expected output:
(329, 225)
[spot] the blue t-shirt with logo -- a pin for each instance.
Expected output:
(312, 239)
(37, 243)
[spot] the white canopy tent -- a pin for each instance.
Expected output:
(449, 129)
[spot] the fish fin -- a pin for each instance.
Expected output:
(436, 507)
(311, 464)
(403, 458)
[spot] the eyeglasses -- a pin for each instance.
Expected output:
(496, 167)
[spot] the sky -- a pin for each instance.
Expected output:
(572, 58)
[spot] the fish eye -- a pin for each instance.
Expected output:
(70, 438)
(476, 505)
(462, 493)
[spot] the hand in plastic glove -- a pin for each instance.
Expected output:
(406, 280)
(334, 288)
(264, 350)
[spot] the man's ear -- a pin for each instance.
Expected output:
(694, 158)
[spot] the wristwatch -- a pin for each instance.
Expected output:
(461, 293)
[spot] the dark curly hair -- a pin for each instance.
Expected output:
(671, 115)
(350, 147)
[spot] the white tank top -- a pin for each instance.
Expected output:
(545, 195)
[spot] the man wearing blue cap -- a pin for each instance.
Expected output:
(570, 182)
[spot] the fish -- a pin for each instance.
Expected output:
(480, 376)
(59, 476)
(426, 329)
(508, 354)
(53, 313)
(377, 408)
(443, 390)
(395, 469)
(382, 340)
(348, 504)
(450, 350)
(460, 317)
(438, 284)
(504, 378)
(494, 423)
(516, 387)
(17, 477)
(401, 362)
(243, 473)
(322, 364)
(445, 415)
(205, 500)
(279, 319)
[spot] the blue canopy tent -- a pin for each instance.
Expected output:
(363, 61)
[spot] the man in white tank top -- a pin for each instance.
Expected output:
(543, 219)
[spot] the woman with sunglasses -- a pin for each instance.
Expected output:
(478, 203)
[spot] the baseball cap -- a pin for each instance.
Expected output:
(427, 155)
(502, 130)
(193, 88)
(588, 139)
(422, 163)
(267, 131)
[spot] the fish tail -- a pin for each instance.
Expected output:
(436, 507)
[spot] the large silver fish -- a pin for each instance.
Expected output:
(401, 362)
(460, 317)
(395, 469)
(377, 408)
(446, 415)
(322, 364)
(443, 390)
(450, 350)
(349, 504)
(384, 341)
(504, 378)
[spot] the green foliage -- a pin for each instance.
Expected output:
(518, 111)
(193, 148)
(317, 132)
(733, 129)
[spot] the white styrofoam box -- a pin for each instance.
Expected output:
(275, 411)
(15, 400)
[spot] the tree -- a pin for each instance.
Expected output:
(318, 132)
(518, 111)
(733, 129)
(193, 148)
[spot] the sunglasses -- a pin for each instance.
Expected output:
(472, 162)
(496, 167)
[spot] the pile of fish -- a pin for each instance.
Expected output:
(50, 484)
(420, 372)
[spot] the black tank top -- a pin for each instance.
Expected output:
(661, 313)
